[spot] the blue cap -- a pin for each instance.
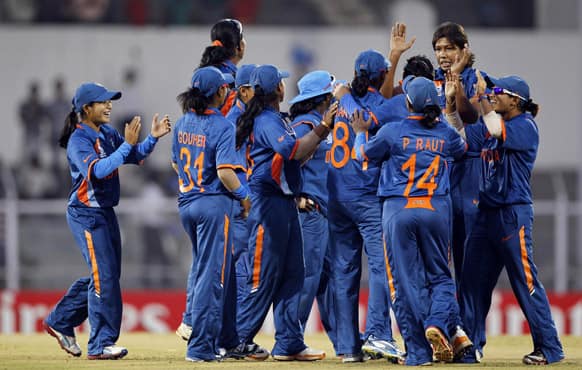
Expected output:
(209, 79)
(313, 84)
(420, 92)
(92, 92)
(514, 84)
(267, 77)
(372, 62)
(243, 75)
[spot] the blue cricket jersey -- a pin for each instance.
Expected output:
(349, 179)
(85, 148)
(203, 144)
(273, 146)
(416, 157)
(506, 163)
(315, 170)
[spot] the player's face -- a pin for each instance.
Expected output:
(446, 53)
(241, 48)
(99, 112)
(246, 93)
(281, 91)
(502, 103)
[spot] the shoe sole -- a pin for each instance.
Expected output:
(442, 350)
(377, 355)
(102, 356)
(255, 357)
(52, 333)
(299, 358)
(534, 362)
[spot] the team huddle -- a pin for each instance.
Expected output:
(279, 206)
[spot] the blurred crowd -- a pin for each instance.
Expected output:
(472, 13)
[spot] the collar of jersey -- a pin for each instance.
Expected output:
(88, 130)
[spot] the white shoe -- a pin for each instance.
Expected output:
(184, 331)
(461, 343)
(113, 352)
(67, 343)
(308, 354)
(377, 348)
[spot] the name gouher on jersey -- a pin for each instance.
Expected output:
(188, 138)
(424, 143)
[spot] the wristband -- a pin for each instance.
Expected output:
(242, 192)
(324, 124)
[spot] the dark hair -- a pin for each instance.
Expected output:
(307, 105)
(529, 106)
(419, 66)
(193, 99)
(361, 83)
(456, 35)
(71, 122)
(430, 115)
(246, 121)
(229, 34)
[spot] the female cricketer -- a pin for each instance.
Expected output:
(95, 150)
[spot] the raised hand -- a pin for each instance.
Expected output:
(329, 115)
(132, 130)
(451, 85)
(398, 43)
(461, 61)
(358, 123)
(481, 84)
(162, 127)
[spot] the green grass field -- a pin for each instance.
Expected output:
(151, 351)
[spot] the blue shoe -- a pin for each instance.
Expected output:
(380, 348)
(248, 351)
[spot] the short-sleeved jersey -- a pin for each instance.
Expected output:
(348, 179)
(416, 157)
(272, 151)
(506, 163)
(315, 170)
(85, 148)
(202, 144)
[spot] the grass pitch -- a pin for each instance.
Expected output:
(167, 351)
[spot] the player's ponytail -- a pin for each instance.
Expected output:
(226, 36)
(246, 121)
(307, 106)
(529, 106)
(360, 84)
(430, 113)
(193, 99)
(70, 125)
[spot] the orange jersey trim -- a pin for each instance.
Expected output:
(258, 257)
(276, 168)
(503, 132)
(230, 99)
(525, 262)
(308, 123)
(226, 225)
(231, 166)
(94, 266)
(294, 149)
(389, 272)
(419, 202)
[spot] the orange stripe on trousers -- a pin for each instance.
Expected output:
(226, 223)
(258, 256)
(524, 261)
(389, 273)
(94, 267)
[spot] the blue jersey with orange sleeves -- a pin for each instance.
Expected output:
(417, 158)
(349, 179)
(506, 163)
(315, 170)
(273, 146)
(85, 148)
(201, 145)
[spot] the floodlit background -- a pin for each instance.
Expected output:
(148, 50)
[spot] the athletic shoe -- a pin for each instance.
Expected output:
(218, 358)
(441, 348)
(380, 348)
(110, 353)
(461, 344)
(355, 357)
(250, 351)
(308, 354)
(184, 331)
(67, 343)
(535, 358)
